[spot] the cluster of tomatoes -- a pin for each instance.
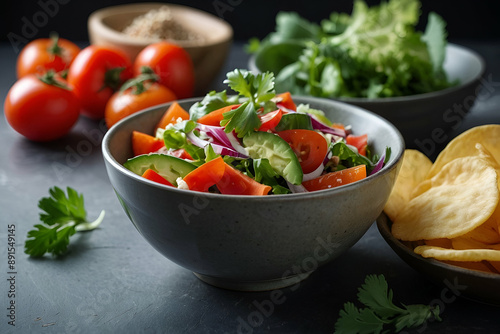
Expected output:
(58, 82)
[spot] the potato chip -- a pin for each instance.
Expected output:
(413, 170)
(453, 213)
(462, 196)
(487, 232)
(495, 265)
(442, 242)
(467, 243)
(464, 145)
(473, 255)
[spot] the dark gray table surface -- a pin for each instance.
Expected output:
(112, 281)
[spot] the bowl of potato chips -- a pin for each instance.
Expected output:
(443, 217)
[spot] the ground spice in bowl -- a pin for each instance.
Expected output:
(160, 23)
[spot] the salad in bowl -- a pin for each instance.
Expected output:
(256, 142)
(185, 172)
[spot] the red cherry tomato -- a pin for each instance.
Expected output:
(309, 146)
(123, 104)
(270, 120)
(360, 142)
(285, 100)
(41, 111)
(96, 73)
(43, 54)
(172, 64)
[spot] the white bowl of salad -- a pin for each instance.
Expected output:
(241, 189)
(376, 59)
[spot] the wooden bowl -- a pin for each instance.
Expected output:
(105, 27)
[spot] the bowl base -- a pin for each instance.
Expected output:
(253, 286)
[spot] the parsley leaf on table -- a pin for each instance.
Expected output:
(62, 217)
(380, 311)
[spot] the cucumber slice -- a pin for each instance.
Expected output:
(167, 166)
(265, 145)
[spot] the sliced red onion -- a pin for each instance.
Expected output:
(219, 149)
(296, 189)
(235, 144)
(378, 165)
(216, 132)
(315, 173)
(317, 125)
(353, 148)
(285, 109)
(223, 142)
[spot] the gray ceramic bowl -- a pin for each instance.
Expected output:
(423, 119)
(253, 242)
(472, 284)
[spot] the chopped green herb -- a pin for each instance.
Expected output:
(62, 217)
(259, 90)
(380, 313)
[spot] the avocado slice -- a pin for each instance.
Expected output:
(265, 145)
(167, 166)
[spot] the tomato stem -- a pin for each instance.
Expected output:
(55, 49)
(112, 78)
(138, 83)
(50, 78)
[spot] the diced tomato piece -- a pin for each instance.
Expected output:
(206, 175)
(214, 117)
(154, 176)
(309, 146)
(270, 120)
(360, 142)
(171, 115)
(143, 143)
(335, 179)
(285, 100)
(234, 182)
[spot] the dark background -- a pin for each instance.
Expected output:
(466, 19)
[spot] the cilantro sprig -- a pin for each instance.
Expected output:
(380, 313)
(63, 215)
(259, 90)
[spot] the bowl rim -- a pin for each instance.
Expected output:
(396, 157)
(95, 21)
(383, 223)
(410, 98)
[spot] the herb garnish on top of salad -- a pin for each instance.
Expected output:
(254, 143)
